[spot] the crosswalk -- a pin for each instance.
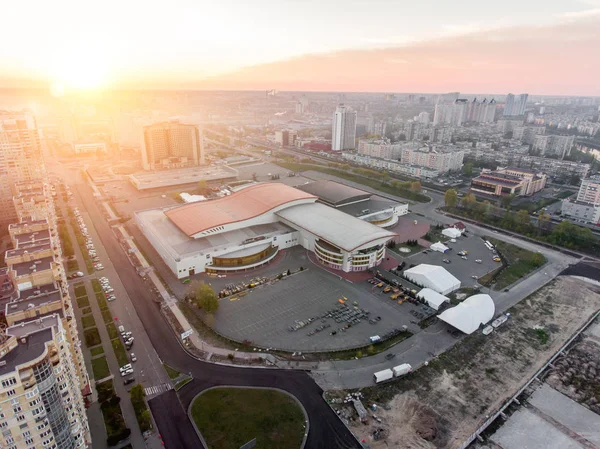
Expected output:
(157, 389)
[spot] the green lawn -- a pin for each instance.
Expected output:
(230, 417)
(88, 321)
(120, 352)
(173, 373)
(72, 266)
(100, 368)
(96, 286)
(106, 316)
(97, 351)
(92, 337)
(519, 263)
(80, 290)
(102, 303)
(142, 413)
(112, 331)
(182, 383)
(86, 311)
(83, 302)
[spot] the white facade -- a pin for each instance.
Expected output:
(577, 210)
(379, 148)
(589, 191)
(343, 133)
(440, 160)
(414, 171)
(434, 277)
(515, 105)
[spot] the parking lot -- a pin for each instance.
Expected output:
(266, 314)
(462, 269)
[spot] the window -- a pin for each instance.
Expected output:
(20, 417)
(17, 409)
(29, 441)
(27, 433)
(10, 440)
(11, 393)
(9, 382)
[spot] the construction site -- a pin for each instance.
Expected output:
(443, 404)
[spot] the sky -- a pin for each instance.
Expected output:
(540, 46)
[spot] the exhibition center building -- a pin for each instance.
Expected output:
(248, 228)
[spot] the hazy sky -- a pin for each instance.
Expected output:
(183, 42)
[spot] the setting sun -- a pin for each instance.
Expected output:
(81, 69)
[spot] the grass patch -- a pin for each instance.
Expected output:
(80, 290)
(230, 417)
(375, 179)
(106, 316)
(98, 350)
(96, 286)
(112, 331)
(541, 335)
(83, 302)
(116, 430)
(142, 413)
(92, 337)
(88, 321)
(72, 266)
(517, 263)
(100, 368)
(368, 350)
(120, 352)
(173, 373)
(101, 300)
(182, 383)
(65, 240)
(86, 311)
(89, 266)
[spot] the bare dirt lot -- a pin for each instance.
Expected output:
(441, 405)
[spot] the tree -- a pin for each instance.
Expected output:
(523, 219)
(415, 186)
(202, 187)
(505, 201)
(468, 169)
(451, 198)
(385, 177)
(203, 296)
(575, 180)
(543, 221)
(469, 201)
(486, 208)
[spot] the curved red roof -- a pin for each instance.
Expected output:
(242, 205)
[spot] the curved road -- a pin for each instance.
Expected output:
(326, 430)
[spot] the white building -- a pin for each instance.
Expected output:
(343, 133)
(453, 114)
(515, 105)
(438, 158)
(589, 191)
(586, 207)
(89, 147)
(434, 277)
(248, 229)
(379, 148)
(414, 171)
(424, 118)
(433, 298)
(552, 144)
(470, 314)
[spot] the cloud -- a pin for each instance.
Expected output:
(576, 15)
(554, 59)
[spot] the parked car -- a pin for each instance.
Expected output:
(128, 380)
(126, 373)
(390, 356)
(125, 367)
(133, 357)
(478, 260)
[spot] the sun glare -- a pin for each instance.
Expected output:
(83, 71)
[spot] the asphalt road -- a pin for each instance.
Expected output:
(326, 430)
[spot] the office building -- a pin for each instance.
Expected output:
(515, 105)
(553, 145)
(171, 145)
(20, 158)
(509, 181)
(379, 148)
(438, 158)
(586, 207)
(343, 129)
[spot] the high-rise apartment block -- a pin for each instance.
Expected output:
(379, 148)
(343, 129)
(481, 111)
(20, 158)
(450, 113)
(515, 105)
(527, 134)
(555, 145)
(171, 145)
(286, 138)
(586, 207)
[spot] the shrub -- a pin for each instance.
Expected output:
(92, 337)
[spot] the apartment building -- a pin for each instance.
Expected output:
(586, 207)
(527, 134)
(441, 159)
(343, 129)
(379, 148)
(554, 145)
(394, 166)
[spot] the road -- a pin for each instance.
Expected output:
(326, 430)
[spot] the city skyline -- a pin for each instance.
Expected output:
(543, 46)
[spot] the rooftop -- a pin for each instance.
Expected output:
(174, 177)
(240, 206)
(333, 226)
(370, 206)
(29, 248)
(334, 193)
(32, 237)
(504, 180)
(33, 266)
(30, 302)
(33, 348)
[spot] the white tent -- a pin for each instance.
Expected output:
(432, 298)
(439, 246)
(470, 314)
(451, 232)
(434, 277)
